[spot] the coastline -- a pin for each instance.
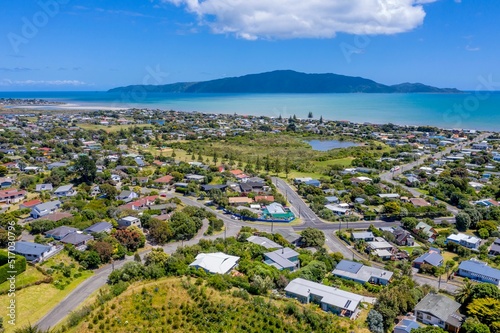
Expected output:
(450, 111)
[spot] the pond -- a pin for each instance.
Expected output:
(324, 145)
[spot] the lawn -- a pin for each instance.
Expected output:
(29, 276)
(345, 162)
(32, 303)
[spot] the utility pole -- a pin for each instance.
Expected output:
(272, 226)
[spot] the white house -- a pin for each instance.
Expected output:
(215, 263)
(469, 242)
(65, 191)
(45, 208)
(128, 221)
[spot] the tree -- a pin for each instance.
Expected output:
(159, 231)
(277, 165)
(215, 158)
(86, 168)
(409, 222)
(3, 170)
(310, 115)
(156, 257)
(109, 191)
(103, 249)
(428, 329)
(313, 237)
(375, 321)
(472, 325)
(392, 208)
(131, 238)
(287, 166)
(487, 310)
(462, 221)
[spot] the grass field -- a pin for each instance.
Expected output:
(30, 275)
(32, 303)
(110, 128)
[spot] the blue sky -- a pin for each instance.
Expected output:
(97, 44)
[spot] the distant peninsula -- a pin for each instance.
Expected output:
(287, 81)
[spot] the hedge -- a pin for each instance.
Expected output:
(19, 266)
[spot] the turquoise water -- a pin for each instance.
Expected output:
(468, 110)
(324, 145)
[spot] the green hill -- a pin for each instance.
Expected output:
(287, 81)
(187, 305)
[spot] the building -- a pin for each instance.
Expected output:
(164, 181)
(282, 259)
(366, 236)
(12, 195)
(433, 257)
(127, 196)
(65, 191)
(128, 221)
(30, 204)
(467, 241)
(403, 237)
(99, 227)
(76, 238)
(45, 208)
(32, 251)
(358, 272)
(44, 187)
(495, 248)
(330, 299)
(427, 230)
(439, 310)
(60, 232)
(405, 325)
(290, 236)
(239, 200)
(479, 271)
(276, 211)
(215, 263)
(264, 241)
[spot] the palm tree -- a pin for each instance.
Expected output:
(463, 293)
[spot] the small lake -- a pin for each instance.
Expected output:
(324, 145)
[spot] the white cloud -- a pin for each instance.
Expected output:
(282, 19)
(7, 82)
(472, 49)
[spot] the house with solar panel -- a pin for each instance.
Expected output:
(331, 299)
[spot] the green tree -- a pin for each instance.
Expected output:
(156, 257)
(109, 191)
(86, 168)
(159, 231)
(462, 221)
(3, 170)
(375, 321)
(287, 166)
(487, 310)
(277, 165)
(313, 237)
(473, 325)
(409, 222)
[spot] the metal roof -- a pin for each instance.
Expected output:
(479, 267)
(24, 247)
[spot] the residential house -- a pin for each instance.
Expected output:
(6, 182)
(479, 271)
(358, 272)
(128, 221)
(412, 181)
(403, 237)
(405, 325)
(45, 208)
(256, 187)
(164, 181)
(99, 227)
(439, 310)
(486, 203)
(495, 248)
(76, 239)
(467, 241)
(30, 204)
(60, 232)
(54, 165)
(32, 251)
(290, 236)
(339, 210)
(283, 259)
(332, 200)
(194, 178)
(380, 248)
(44, 187)
(127, 196)
(264, 198)
(208, 188)
(366, 236)
(12, 195)
(432, 257)
(65, 191)
(140, 203)
(264, 241)
(330, 299)
(389, 195)
(419, 202)
(239, 200)
(215, 263)
(276, 211)
(423, 228)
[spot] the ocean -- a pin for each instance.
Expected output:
(470, 110)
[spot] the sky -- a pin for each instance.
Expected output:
(97, 44)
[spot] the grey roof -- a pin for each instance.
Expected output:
(289, 235)
(264, 241)
(76, 238)
(275, 208)
(407, 325)
(431, 258)
(24, 247)
(48, 205)
(362, 235)
(44, 187)
(356, 271)
(438, 305)
(61, 231)
(480, 267)
(329, 295)
(98, 227)
(495, 248)
(64, 188)
(280, 258)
